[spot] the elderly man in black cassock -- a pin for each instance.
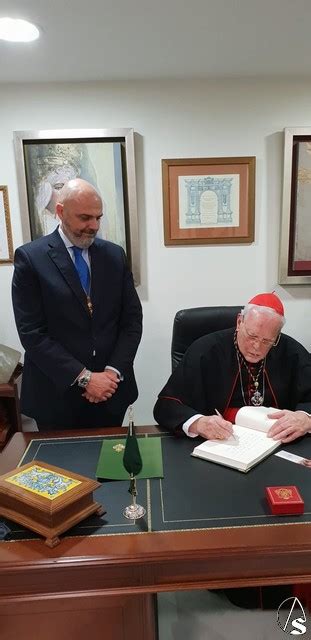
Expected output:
(252, 364)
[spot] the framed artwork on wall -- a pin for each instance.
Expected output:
(295, 245)
(208, 200)
(46, 160)
(6, 243)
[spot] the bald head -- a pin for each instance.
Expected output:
(80, 211)
(76, 189)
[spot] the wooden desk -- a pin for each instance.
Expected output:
(104, 586)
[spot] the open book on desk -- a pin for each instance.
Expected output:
(247, 446)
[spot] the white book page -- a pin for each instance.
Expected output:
(255, 418)
(246, 445)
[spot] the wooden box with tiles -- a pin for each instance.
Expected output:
(47, 499)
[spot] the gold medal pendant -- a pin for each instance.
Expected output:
(89, 305)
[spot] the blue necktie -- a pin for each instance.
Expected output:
(82, 268)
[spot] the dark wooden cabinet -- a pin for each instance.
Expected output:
(10, 415)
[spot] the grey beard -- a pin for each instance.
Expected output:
(82, 243)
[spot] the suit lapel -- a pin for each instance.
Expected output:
(61, 258)
(97, 266)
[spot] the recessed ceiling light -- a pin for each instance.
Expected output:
(17, 30)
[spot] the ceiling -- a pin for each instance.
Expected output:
(92, 40)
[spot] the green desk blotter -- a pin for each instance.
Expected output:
(110, 461)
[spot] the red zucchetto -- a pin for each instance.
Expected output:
(269, 300)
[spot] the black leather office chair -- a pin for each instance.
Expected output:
(190, 324)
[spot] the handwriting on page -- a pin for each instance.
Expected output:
(245, 444)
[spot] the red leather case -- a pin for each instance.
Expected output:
(284, 500)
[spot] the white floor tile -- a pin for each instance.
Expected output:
(205, 615)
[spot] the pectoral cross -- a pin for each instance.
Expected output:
(257, 398)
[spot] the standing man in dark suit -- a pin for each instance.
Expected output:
(79, 319)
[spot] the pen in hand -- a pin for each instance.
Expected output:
(219, 414)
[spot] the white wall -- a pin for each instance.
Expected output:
(175, 119)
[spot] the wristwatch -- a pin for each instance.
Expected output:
(84, 378)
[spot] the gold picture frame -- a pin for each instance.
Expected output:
(6, 241)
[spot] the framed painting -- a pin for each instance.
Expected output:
(295, 245)
(208, 200)
(46, 160)
(6, 243)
